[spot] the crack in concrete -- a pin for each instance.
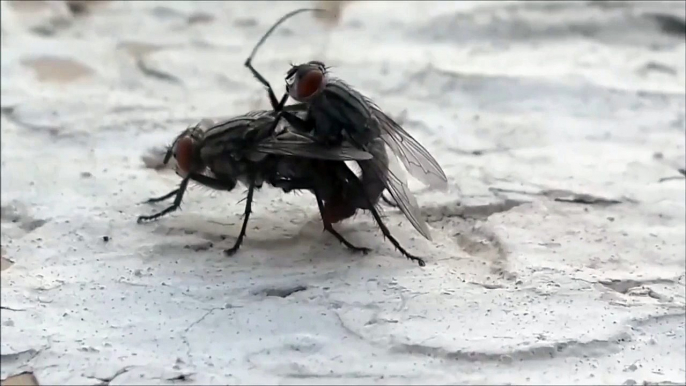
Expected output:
(563, 195)
(13, 309)
(106, 381)
(202, 318)
(21, 356)
(184, 338)
(283, 292)
(157, 74)
(568, 348)
(479, 212)
(623, 286)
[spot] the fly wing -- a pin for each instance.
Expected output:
(296, 145)
(401, 193)
(418, 161)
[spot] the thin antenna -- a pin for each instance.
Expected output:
(283, 18)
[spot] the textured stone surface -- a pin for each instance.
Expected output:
(561, 261)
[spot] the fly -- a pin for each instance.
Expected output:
(240, 149)
(337, 112)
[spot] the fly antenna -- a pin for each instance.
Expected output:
(278, 22)
(168, 154)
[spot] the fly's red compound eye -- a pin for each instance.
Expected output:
(184, 154)
(310, 83)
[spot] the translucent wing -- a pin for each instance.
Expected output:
(401, 193)
(418, 161)
(307, 149)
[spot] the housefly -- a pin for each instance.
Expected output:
(337, 112)
(242, 149)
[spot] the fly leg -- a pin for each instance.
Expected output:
(297, 122)
(279, 109)
(224, 183)
(276, 104)
(176, 205)
(353, 179)
(388, 201)
(272, 97)
(204, 180)
(395, 242)
(162, 198)
(248, 210)
(248, 62)
(328, 227)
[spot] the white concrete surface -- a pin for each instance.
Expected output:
(562, 262)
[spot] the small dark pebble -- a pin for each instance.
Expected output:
(105, 238)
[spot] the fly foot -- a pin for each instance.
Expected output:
(419, 260)
(142, 219)
(361, 250)
(231, 251)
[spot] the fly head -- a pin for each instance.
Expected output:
(304, 81)
(186, 150)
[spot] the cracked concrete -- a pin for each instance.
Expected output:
(558, 253)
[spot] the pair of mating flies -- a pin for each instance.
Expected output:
(332, 123)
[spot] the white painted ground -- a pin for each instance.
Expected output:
(526, 106)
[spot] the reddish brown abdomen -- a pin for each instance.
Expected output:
(337, 210)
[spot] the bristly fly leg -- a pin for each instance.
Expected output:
(272, 97)
(297, 122)
(161, 198)
(248, 210)
(248, 62)
(279, 112)
(276, 104)
(329, 228)
(213, 183)
(354, 179)
(225, 183)
(388, 201)
(306, 184)
(176, 205)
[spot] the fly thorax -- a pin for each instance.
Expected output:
(327, 128)
(224, 166)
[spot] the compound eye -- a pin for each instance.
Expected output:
(184, 154)
(310, 83)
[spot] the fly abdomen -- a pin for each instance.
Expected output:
(372, 178)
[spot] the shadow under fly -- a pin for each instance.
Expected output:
(336, 112)
(245, 149)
